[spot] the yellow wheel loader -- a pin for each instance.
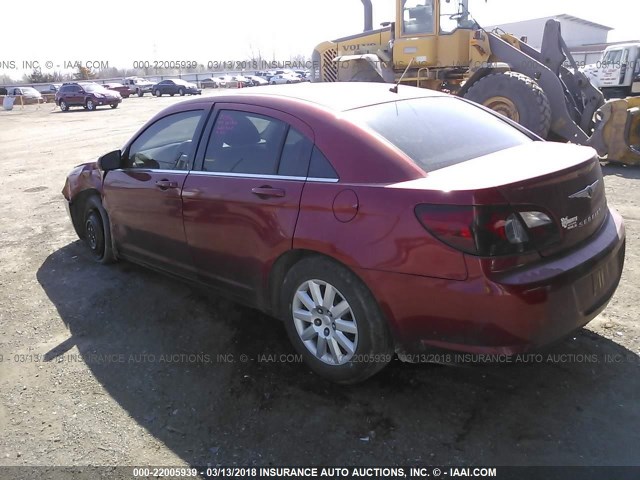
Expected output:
(436, 44)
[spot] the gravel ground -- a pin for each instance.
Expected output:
(122, 366)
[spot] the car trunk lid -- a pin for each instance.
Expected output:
(563, 181)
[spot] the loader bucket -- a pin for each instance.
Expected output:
(617, 132)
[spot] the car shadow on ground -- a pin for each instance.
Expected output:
(207, 377)
(619, 170)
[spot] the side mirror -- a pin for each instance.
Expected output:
(110, 161)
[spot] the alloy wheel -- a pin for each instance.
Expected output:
(325, 322)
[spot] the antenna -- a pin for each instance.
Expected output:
(394, 89)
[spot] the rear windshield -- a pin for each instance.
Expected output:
(438, 132)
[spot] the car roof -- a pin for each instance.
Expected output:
(337, 96)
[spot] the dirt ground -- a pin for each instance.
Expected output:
(121, 366)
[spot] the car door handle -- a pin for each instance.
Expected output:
(166, 184)
(268, 191)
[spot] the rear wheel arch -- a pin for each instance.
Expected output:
(373, 338)
(285, 262)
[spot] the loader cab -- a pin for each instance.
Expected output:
(432, 32)
(430, 17)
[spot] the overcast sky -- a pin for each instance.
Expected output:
(121, 32)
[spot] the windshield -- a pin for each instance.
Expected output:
(438, 132)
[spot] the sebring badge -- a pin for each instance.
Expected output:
(586, 192)
(571, 223)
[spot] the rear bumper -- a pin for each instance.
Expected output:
(509, 314)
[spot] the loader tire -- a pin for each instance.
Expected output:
(515, 96)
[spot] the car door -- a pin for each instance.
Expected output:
(143, 198)
(241, 204)
(72, 95)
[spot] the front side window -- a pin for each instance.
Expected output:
(418, 17)
(167, 144)
(245, 143)
(439, 132)
(612, 57)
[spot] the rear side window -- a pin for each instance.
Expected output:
(320, 166)
(245, 143)
(294, 161)
(439, 132)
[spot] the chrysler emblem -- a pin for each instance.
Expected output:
(586, 192)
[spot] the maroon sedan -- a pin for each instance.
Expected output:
(370, 222)
(118, 87)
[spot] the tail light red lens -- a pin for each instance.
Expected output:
(488, 231)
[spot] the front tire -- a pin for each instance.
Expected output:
(515, 96)
(140, 93)
(114, 105)
(181, 92)
(91, 106)
(97, 233)
(334, 322)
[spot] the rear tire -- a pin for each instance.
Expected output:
(340, 330)
(515, 96)
(157, 93)
(63, 106)
(97, 232)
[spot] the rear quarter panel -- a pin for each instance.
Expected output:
(384, 235)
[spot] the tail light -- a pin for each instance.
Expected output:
(488, 231)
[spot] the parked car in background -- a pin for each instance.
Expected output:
(48, 89)
(175, 86)
(138, 86)
(86, 95)
(27, 93)
(210, 82)
(223, 81)
(303, 75)
(123, 90)
(284, 78)
(257, 81)
(242, 81)
(363, 219)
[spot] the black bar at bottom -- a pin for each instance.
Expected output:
(337, 473)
